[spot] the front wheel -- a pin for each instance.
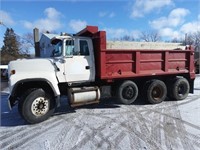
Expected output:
(36, 106)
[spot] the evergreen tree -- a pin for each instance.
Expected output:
(11, 44)
(11, 48)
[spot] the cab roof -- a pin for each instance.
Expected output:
(56, 39)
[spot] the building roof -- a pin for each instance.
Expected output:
(48, 35)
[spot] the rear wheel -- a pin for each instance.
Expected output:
(156, 91)
(127, 92)
(179, 89)
(36, 106)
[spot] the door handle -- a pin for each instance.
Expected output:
(87, 67)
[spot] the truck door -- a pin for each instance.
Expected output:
(79, 64)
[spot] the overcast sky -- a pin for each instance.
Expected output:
(171, 18)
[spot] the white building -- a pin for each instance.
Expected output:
(46, 47)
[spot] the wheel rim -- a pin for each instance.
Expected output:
(182, 89)
(128, 92)
(157, 93)
(40, 106)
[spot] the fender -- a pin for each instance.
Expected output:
(22, 85)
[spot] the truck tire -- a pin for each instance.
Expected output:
(36, 106)
(127, 92)
(179, 89)
(156, 91)
(23, 97)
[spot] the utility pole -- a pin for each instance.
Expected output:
(186, 39)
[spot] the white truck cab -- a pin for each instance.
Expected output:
(37, 84)
(74, 57)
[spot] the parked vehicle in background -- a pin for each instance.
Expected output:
(82, 65)
(197, 62)
(4, 71)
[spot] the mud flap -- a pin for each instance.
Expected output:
(191, 82)
(57, 99)
(11, 102)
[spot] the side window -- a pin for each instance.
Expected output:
(69, 48)
(84, 49)
(57, 50)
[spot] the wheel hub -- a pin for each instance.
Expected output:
(128, 92)
(181, 89)
(40, 106)
(156, 93)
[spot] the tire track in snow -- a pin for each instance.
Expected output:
(173, 120)
(8, 134)
(92, 134)
(184, 132)
(70, 129)
(179, 129)
(155, 128)
(134, 141)
(164, 112)
(48, 125)
(142, 134)
(89, 137)
(24, 136)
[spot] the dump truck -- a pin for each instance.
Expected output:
(81, 66)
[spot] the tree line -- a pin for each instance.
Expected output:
(154, 36)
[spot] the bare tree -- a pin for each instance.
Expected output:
(192, 38)
(196, 37)
(127, 38)
(124, 38)
(28, 38)
(178, 40)
(150, 36)
(175, 40)
(27, 42)
(196, 42)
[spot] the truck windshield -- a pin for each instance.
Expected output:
(69, 47)
(57, 49)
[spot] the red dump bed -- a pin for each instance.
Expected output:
(116, 64)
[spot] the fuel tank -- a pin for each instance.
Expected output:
(83, 95)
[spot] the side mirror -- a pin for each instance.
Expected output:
(62, 60)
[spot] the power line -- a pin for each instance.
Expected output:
(1, 23)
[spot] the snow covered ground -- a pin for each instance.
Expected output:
(169, 125)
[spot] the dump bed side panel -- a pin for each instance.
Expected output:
(135, 63)
(121, 64)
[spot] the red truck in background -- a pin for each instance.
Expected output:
(82, 65)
